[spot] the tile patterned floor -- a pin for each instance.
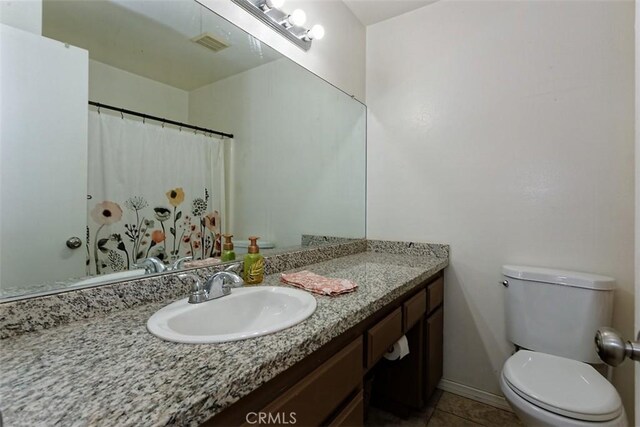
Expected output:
(447, 410)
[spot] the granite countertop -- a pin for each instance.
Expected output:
(110, 371)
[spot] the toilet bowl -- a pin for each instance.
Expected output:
(552, 316)
(547, 390)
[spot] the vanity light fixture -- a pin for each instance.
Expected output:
(288, 25)
(297, 17)
(316, 32)
(274, 4)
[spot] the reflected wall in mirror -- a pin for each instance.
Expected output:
(282, 156)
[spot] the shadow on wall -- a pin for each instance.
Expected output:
(478, 346)
(623, 375)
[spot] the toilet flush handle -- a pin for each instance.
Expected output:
(613, 350)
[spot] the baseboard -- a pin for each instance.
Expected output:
(474, 394)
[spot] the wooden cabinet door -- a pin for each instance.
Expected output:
(434, 351)
(312, 400)
(352, 415)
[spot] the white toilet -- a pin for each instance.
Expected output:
(552, 317)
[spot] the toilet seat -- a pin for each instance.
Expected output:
(563, 386)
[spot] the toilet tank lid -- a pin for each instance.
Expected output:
(560, 277)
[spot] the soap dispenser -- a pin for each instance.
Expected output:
(253, 263)
(227, 249)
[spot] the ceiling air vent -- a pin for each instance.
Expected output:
(210, 41)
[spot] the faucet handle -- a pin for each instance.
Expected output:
(179, 263)
(235, 276)
(198, 293)
(220, 284)
(234, 268)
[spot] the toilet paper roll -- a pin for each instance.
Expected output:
(399, 350)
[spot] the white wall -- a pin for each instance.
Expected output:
(338, 58)
(505, 128)
(298, 153)
(23, 14)
(113, 86)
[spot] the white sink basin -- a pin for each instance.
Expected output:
(245, 313)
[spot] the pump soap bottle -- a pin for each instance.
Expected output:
(227, 249)
(253, 263)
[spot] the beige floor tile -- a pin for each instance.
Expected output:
(431, 404)
(445, 419)
(379, 418)
(435, 397)
(477, 412)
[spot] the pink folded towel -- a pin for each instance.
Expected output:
(319, 284)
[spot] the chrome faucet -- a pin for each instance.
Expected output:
(155, 265)
(214, 287)
(179, 263)
(151, 265)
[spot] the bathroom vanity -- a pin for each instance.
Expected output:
(107, 369)
(326, 388)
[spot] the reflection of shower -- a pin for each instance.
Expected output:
(164, 121)
(155, 191)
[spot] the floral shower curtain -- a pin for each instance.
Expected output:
(153, 191)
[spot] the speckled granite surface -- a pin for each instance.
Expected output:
(110, 371)
(408, 248)
(18, 317)
(315, 240)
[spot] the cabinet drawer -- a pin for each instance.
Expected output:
(435, 293)
(413, 309)
(317, 396)
(352, 415)
(383, 335)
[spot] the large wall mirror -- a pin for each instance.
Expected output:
(195, 129)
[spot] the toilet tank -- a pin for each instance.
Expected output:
(555, 311)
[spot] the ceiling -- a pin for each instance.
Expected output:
(372, 11)
(153, 39)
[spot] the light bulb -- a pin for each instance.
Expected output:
(275, 3)
(297, 17)
(316, 32)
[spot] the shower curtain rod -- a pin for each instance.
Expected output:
(159, 119)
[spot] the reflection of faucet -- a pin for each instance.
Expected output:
(151, 265)
(179, 264)
(215, 286)
(155, 265)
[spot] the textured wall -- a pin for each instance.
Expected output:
(505, 129)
